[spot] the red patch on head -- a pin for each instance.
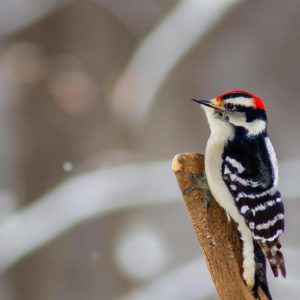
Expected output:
(258, 103)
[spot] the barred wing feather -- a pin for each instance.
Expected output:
(259, 201)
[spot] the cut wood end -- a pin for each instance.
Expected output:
(181, 160)
(177, 162)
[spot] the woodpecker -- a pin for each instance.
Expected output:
(242, 174)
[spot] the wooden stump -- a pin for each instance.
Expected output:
(219, 239)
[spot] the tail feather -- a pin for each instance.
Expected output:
(274, 256)
(270, 251)
(260, 273)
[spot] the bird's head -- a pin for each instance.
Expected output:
(238, 108)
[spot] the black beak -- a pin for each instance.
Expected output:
(206, 103)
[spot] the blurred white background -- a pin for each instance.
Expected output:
(94, 103)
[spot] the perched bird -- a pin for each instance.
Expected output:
(242, 174)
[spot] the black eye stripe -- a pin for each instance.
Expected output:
(251, 113)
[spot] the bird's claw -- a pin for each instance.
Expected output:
(201, 184)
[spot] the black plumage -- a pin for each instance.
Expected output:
(257, 183)
(249, 175)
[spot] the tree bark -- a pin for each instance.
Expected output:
(219, 238)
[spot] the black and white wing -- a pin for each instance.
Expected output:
(252, 181)
(251, 175)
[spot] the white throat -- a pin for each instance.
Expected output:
(221, 131)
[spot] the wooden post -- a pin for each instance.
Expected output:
(219, 239)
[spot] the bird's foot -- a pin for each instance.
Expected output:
(201, 184)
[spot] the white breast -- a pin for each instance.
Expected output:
(213, 165)
(220, 133)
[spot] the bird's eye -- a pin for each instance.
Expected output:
(229, 106)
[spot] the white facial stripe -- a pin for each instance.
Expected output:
(254, 128)
(248, 102)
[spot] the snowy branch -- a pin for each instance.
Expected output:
(188, 281)
(81, 198)
(96, 194)
(161, 50)
(15, 14)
